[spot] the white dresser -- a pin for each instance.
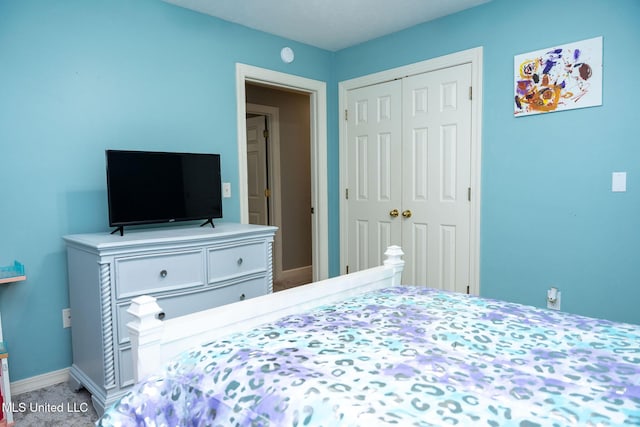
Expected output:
(186, 268)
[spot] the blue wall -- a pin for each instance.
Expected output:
(548, 214)
(80, 76)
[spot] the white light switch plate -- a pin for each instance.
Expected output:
(619, 182)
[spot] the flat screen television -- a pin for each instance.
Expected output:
(147, 187)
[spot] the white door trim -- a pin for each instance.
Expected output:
(472, 56)
(275, 212)
(318, 105)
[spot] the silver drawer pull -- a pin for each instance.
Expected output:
(242, 297)
(163, 273)
(240, 261)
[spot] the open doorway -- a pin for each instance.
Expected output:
(279, 177)
(317, 95)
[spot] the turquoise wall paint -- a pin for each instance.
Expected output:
(548, 215)
(80, 76)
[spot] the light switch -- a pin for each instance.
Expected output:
(619, 182)
(226, 190)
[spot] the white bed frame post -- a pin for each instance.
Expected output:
(394, 259)
(145, 332)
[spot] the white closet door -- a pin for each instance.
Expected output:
(374, 179)
(409, 149)
(436, 170)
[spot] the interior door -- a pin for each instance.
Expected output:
(436, 169)
(408, 175)
(374, 179)
(257, 171)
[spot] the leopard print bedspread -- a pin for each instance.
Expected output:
(403, 356)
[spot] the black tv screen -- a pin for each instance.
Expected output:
(146, 187)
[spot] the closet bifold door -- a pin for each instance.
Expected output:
(409, 174)
(436, 170)
(374, 129)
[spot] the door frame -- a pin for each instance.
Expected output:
(317, 92)
(273, 160)
(472, 56)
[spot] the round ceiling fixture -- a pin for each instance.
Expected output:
(287, 55)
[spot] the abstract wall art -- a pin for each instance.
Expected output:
(558, 78)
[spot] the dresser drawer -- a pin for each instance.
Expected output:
(158, 273)
(236, 261)
(179, 305)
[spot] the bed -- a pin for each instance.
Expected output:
(363, 350)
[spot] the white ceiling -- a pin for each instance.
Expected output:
(328, 24)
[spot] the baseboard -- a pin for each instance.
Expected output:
(39, 381)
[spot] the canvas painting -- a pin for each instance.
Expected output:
(559, 78)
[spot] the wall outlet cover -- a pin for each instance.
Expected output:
(66, 317)
(554, 305)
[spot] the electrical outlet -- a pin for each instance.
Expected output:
(66, 317)
(553, 299)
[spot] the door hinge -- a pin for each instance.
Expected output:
(346, 193)
(267, 192)
(469, 193)
(313, 210)
(346, 115)
(470, 93)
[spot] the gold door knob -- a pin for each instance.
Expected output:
(394, 213)
(406, 214)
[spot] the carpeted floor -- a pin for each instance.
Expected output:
(282, 285)
(54, 406)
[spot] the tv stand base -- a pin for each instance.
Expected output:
(120, 229)
(209, 221)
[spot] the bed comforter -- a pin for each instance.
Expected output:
(402, 356)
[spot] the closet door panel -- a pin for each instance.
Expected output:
(436, 176)
(374, 176)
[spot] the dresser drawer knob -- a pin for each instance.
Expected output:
(240, 261)
(242, 297)
(160, 315)
(163, 273)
